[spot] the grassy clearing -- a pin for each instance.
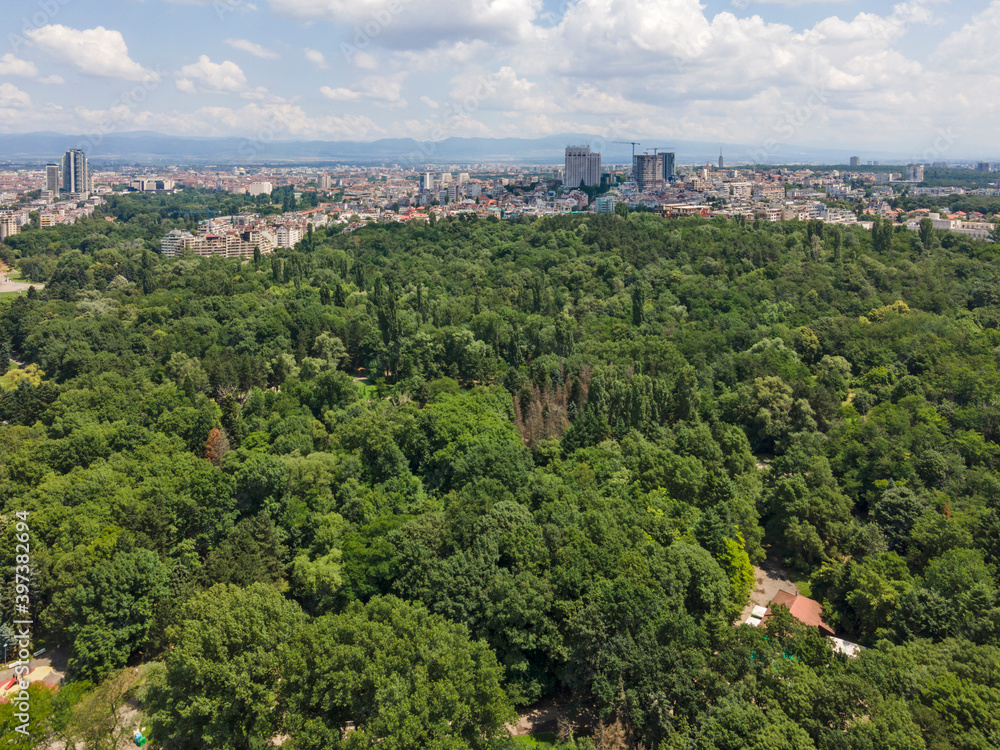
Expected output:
(536, 741)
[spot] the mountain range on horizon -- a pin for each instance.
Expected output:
(147, 146)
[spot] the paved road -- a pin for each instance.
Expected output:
(16, 286)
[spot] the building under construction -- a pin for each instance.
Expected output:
(652, 172)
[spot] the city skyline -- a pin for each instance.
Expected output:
(865, 76)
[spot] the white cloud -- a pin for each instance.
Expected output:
(365, 60)
(474, 90)
(12, 96)
(658, 69)
(262, 123)
(973, 48)
(316, 58)
(254, 49)
(340, 94)
(385, 89)
(224, 6)
(207, 76)
(98, 51)
(12, 66)
(420, 24)
(744, 3)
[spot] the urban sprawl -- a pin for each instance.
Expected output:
(352, 196)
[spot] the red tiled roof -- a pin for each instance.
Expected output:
(805, 610)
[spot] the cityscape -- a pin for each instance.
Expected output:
(354, 195)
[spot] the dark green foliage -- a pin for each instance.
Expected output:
(562, 443)
(220, 681)
(107, 615)
(251, 552)
(403, 677)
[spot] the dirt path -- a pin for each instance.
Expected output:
(771, 577)
(544, 716)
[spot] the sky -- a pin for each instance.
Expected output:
(920, 77)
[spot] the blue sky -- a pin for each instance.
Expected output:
(918, 77)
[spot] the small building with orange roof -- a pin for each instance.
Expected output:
(805, 610)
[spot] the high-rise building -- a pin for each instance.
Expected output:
(855, 161)
(669, 165)
(648, 172)
(722, 164)
(983, 166)
(52, 177)
(915, 173)
(427, 181)
(582, 166)
(75, 172)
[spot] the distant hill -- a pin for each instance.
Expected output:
(147, 146)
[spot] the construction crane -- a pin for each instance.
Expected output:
(633, 143)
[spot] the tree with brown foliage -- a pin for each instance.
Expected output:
(216, 446)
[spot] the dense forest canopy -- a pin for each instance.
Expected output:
(546, 452)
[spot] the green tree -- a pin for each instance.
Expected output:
(109, 613)
(218, 686)
(926, 233)
(405, 678)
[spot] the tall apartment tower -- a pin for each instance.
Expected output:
(722, 164)
(75, 172)
(915, 173)
(52, 178)
(669, 165)
(855, 161)
(648, 172)
(581, 166)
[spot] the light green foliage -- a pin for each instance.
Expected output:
(316, 572)
(735, 563)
